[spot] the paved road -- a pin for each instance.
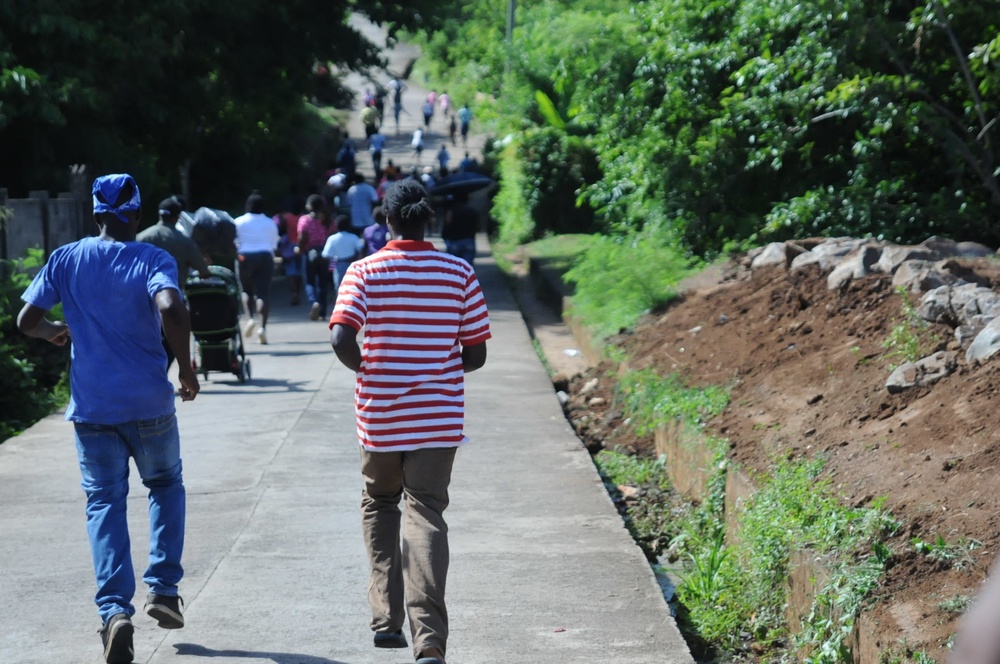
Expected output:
(543, 570)
(397, 147)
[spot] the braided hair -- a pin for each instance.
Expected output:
(407, 205)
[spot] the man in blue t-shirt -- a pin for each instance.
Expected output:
(116, 295)
(362, 197)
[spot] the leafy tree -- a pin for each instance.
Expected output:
(724, 123)
(213, 87)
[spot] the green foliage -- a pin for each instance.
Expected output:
(620, 469)
(651, 400)
(510, 206)
(176, 84)
(556, 166)
(652, 520)
(740, 589)
(909, 339)
(621, 277)
(726, 123)
(32, 372)
(957, 554)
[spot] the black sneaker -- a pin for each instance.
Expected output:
(390, 639)
(166, 609)
(116, 635)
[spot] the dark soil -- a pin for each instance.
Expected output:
(808, 370)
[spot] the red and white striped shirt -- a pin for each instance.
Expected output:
(418, 307)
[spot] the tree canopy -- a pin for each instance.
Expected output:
(211, 85)
(726, 122)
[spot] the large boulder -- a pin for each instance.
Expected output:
(927, 371)
(895, 255)
(854, 265)
(771, 254)
(986, 344)
(828, 254)
(957, 305)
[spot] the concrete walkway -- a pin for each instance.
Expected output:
(397, 147)
(542, 568)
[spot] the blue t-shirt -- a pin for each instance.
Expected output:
(108, 290)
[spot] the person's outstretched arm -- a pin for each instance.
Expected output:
(177, 329)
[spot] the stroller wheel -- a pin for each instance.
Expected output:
(241, 372)
(246, 370)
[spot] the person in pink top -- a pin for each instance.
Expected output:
(425, 325)
(314, 228)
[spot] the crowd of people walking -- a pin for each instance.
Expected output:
(364, 237)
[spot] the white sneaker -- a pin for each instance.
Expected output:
(314, 311)
(261, 336)
(248, 329)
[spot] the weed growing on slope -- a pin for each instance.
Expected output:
(650, 400)
(793, 510)
(910, 339)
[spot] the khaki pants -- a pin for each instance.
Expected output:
(412, 571)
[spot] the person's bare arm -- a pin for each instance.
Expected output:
(344, 340)
(473, 357)
(32, 322)
(198, 261)
(177, 329)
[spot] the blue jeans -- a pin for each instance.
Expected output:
(317, 280)
(104, 451)
(464, 248)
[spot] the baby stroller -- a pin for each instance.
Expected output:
(215, 322)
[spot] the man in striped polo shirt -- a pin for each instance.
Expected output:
(426, 325)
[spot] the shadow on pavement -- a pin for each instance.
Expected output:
(278, 385)
(196, 650)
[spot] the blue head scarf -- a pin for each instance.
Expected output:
(106, 190)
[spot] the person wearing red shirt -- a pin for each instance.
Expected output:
(425, 325)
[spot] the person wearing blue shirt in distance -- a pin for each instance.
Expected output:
(376, 142)
(362, 197)
(116, 294)
(341, 249)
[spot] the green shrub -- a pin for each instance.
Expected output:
(33, 372)
(556, 166)
(620, 278)
(510, 206)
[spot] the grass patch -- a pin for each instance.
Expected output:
(560, 251)
(650, 399)
(651, 515)
(623, 469)
(620, 278)
(732, 591)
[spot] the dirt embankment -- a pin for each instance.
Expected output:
(808, 370)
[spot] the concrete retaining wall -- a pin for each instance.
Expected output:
(690, 468)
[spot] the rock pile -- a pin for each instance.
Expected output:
(952, 293)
